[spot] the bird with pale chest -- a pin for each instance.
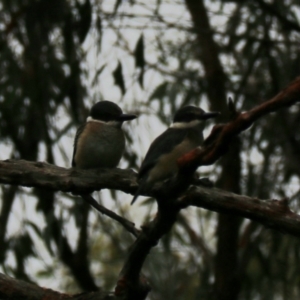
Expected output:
(100, 141)
(184, 135)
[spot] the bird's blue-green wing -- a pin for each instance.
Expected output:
(163, 144)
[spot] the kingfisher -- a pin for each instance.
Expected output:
(100, 141)
(184, 135)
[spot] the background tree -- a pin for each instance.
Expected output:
(58, 57)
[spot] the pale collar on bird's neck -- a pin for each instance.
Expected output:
(113, 123)
(184, 125)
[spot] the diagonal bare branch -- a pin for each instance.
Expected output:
(129, 226)
(221, 135)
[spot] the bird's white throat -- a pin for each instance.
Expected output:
(110, 123)
(183, 125)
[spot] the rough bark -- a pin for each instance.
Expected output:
(272, 213)
(17, 289)
(47, 176)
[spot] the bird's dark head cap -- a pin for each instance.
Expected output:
(108, 111)
(190, 113)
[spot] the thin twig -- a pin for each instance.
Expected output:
(129, 226)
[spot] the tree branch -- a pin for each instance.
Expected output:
(8, 199)
(208, 55)
(130, 284)
(129, 226)
(17, 289)
(47, 176)
(272, 213)
(273, 11)
(219, 140)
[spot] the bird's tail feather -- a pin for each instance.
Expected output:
(142, 188)
(137, 193)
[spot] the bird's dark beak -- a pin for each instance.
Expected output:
(127, 117)
(209, 115)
